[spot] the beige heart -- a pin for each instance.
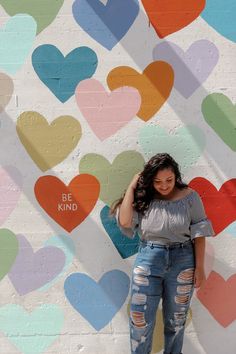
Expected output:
(6, 90)
(48, 144)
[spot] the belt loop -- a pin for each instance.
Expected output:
(182, 245)
(152, 246)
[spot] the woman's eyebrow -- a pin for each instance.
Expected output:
(157, 179)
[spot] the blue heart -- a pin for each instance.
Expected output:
(124, 245)
(97, 302)
(107, 24)
(221, 15)
(62, 74)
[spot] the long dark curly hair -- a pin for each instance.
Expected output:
(145, 192)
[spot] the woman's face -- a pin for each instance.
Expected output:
(164, 181)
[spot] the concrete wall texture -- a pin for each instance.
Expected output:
(89, 91)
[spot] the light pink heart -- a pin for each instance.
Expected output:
(10, 189)
(106, 112)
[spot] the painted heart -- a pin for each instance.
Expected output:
(10, 190)
(192, 67)
(97, 302)
(231, 229)
(114, 177)
(43, 13)
(68, 206)
(170, 16)
(6, 90)
(32, 270)
(154, 85)
(184, 144)
(31, 332)
(8, 251)
(16, 40)
(62, 74)
(107, 24)
(217, 202)
(48, 144)
(67, 246)
(106, 113)
(125, 246)
(220, 113)
(218, 296)
(221, 16)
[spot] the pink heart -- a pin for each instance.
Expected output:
(106, 112)
(10, 189)
(192, 67)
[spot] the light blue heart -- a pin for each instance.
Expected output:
(97, 302)
(107, 24)
(34, 332)
(66, 244)
(231, 229)
(16, 40)
(126, 247)
(62, 74)
(186, 144)
(221, 15)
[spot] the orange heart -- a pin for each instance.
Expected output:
(68, 206)
(154, 85)
(170, 16)
(218, 296)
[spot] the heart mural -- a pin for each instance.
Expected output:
(110, 22)
(48, 144)
(32, 270)
(220, 113)
(67, 205)
(97, 302)
(6, 90)
(171, 16)
(217, 202)
(43, 13)
(16, 40)
(62, 74)
(192, 67)
(8, 251)
(154, 85)
(114, 177)
(106, 113)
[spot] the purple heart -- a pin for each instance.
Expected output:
(192, 67)
(32, 270)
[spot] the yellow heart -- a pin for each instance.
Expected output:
(48, 144)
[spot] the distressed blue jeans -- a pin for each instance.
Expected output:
(161, 272)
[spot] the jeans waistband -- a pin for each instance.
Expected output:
(167, 246)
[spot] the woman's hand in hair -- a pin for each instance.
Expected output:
(134, 182)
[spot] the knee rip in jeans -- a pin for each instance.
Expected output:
(138, 319)
(139, 299)
(186, 276)
(141, 274)
(183, 291)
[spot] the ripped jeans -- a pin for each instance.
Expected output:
(167, 272)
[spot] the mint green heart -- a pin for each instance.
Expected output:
(114, 178)
(184, 144)
(44, 12)
(220, 113)
(31, 332)
(16, 40)
(8, 251)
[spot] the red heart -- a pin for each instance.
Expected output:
(220, 205)
(170, 16)
(68, 206)
(218, 296)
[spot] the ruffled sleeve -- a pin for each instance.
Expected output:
(200, 224)
(129, 232)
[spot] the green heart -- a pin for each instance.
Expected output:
(44, 12)
(114, 178)
(31, 332)
(220, 113)
(184, 144)
(8, 251)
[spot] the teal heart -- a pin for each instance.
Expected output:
(44, 12)
(125, 246)
(62, 74)
(34, 332)
(16, 40)
(185, 144)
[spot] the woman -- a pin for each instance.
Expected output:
(172, 225)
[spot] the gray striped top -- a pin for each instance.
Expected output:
(168, 221)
